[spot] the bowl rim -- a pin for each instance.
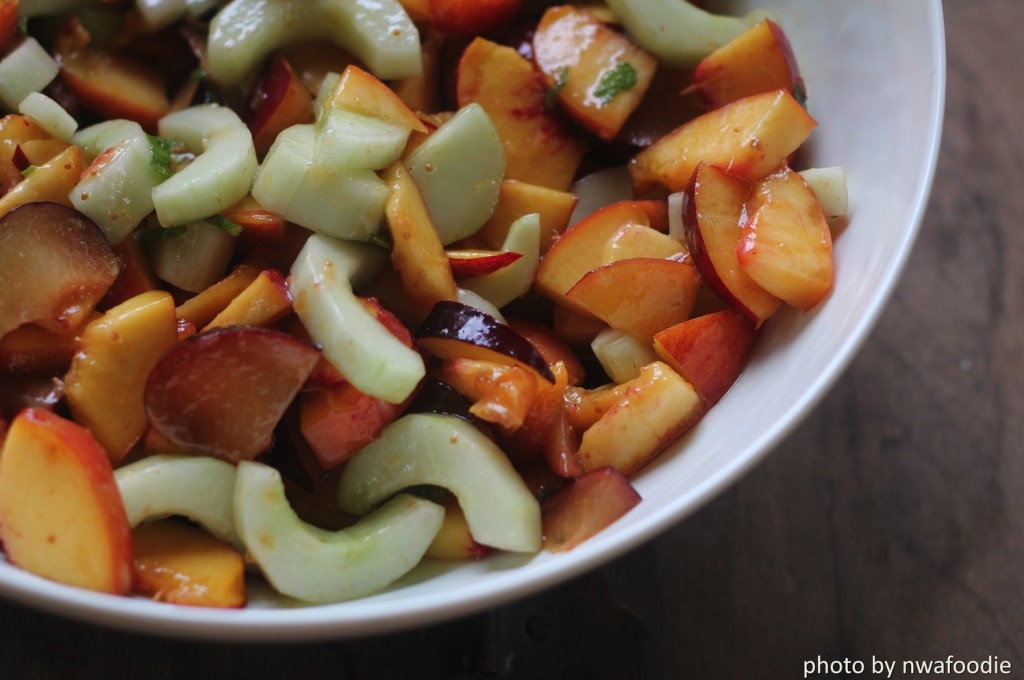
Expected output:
(355, 619)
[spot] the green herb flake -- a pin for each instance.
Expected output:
(615, 81)
(226, 225)
(551, 96)
(160, 150)
(28, 171)
(159, 233)
(800, 93)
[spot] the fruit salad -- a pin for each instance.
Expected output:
(314, 290)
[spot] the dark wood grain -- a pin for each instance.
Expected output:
(890, 524)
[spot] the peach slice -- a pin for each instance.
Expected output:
(55, 266)
(109, 83)
(260, 226)
(516, 199)
(539, 148)
(551, 346)
(61, 515)
(338, 420)
(748, 138)
(108, 375)
(639, 296)
(715, 209)
(8, 22)
(280, 100)
(454, 541)
(655, 409)
(203, 308)
(586, 507)
(33, 349)
(50, 182)
(708, 351)
(758, 60)
(786, 245)
(501, 394)
(237, 381)
(360, 92)
(182, 564)
(636, 240)
(581, 249)
(597, 74)
(417, 253)
(264, 302)
(471, 17)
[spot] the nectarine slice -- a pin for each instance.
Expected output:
(748, 138)
(713, 217)
(786, 245)
(585, 507)
(61, 515)
(709, 351)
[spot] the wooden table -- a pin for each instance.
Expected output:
(889, 525)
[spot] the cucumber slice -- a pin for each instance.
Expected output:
(116, 192)
(510, 282)
(621, 355)
(347, 204)
(315, 565)
(678, 33)
(48, 115)
(352, 339)
(197, 487)
(379, 33)
(222, 173)
(352, 141)
(446, 451)
(195, 260)
(459, 170)
(27, 68)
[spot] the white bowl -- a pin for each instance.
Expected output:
(875, 73)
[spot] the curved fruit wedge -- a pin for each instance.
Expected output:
(712, 219)
(749, 138)
(107, 378)
(453, 330)
(197, 487)
(315, 565)
(182, 564)
(221, 393)
(585, 507)
(55, 265)
(787, 246)
(655, 408)
(639, 295)
(758, 60)
(60, 514)
(450, 452)
(509, 283)
(597, 74)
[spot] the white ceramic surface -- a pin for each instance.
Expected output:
(875, 72)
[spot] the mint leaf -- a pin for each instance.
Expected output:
(614, 81)
(226, 225)
(551, 96)
(160, 150)
(158, 233)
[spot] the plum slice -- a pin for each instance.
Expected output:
(55, 265)
(453, 330)
(222, 392)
